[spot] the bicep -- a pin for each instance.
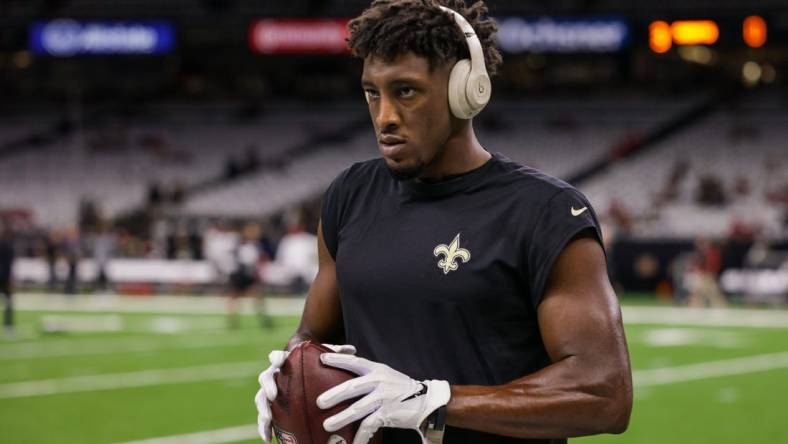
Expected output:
(322, 316)
(579, 315)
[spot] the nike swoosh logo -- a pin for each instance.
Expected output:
(576, 213)
(421, 392)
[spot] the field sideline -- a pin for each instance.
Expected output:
(104, 369)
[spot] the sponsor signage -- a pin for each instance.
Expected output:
(695, 32)
(66, 37)
(563, 35)
(663, 35)
(299, 36)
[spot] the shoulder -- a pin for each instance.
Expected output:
(348, 188)
(356, 181)
(358, 175)
(535, 187)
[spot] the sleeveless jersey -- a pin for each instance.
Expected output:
(442, 280)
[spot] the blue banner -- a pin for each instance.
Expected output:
(66, 37)
(563, 35)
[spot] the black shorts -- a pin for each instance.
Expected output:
(241, 281)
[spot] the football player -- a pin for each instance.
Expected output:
(474, 289)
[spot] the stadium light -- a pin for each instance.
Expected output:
(662, 36)
(659, 37)
(754, 31)
(751, 73)
(697, 54)
(695, 32)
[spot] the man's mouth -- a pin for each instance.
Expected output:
(391, 145)
(391, 140)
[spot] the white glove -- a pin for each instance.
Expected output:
(392, 398)
(267, 393)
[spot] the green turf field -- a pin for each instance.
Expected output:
(153, 376)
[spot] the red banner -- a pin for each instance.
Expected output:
(299, 36)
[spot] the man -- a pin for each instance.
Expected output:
(474, 289)
(246, 277)
(52, 245)
(6, 277)
(72, 250)
(103, 249)
(704, 270)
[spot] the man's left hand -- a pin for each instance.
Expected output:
(390, 398)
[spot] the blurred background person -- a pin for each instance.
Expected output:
(219, 245)
(72, 252)
(103, 247)
(295, 264)
(6, 278)
(52, 246)
(704, 272)
(245, 278)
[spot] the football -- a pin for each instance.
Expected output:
(296, 417)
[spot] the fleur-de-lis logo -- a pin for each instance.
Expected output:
(452, 252)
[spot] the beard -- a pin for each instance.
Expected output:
(406, 173)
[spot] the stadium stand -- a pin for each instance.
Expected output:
(115, 164)
(252, 166)
(562, 137)
(726, 172)
(274, 190)
(559, 137)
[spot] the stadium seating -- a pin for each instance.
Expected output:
(114, 165)
(271, 191)
(744, 145)
(559, 137)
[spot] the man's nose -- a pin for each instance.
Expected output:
(388, 117)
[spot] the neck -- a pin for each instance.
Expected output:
(461, 153)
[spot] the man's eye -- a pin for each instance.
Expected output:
(406, 92)
(371, 93)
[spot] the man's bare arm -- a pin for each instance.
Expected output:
(588, 387)
(322, 317)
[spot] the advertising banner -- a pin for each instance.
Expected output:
(563, 35)
(67, 38)
(299, 36)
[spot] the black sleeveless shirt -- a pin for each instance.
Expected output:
(442, 280)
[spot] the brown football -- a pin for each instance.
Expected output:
(296, 417)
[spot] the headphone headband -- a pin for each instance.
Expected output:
(472, 40)
(469, 83)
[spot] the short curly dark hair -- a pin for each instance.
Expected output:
(390, 28)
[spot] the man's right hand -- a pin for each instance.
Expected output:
(267, 393)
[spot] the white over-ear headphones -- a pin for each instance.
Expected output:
(469, 83)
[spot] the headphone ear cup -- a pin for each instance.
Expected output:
(478, 92)
(458, 81)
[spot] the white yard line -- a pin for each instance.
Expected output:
(279, 306)
(706, 317)
(85, 347)
(113, 381)
(161, 304)
(712, 369)
(219, 436)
